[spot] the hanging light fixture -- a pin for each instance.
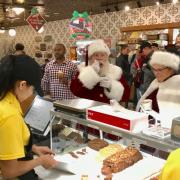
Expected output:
(175, 1)
(127, 8)
(157, 3)
(20, 1)
(2, 31)
(12, 32)
(18, 10)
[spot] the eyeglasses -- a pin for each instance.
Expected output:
(159, 70)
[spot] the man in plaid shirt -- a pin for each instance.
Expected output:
(58, 75)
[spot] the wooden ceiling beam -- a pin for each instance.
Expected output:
(150, 27)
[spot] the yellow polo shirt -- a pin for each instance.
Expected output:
(171, 170)
(14, 134)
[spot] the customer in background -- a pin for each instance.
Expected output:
(100, 80)
(164, 90)
(123, 63)
(58, 75)
(19, 49)
(20, 77)
(177, 44)
(147, 74)
(155, 46)
(44, 65)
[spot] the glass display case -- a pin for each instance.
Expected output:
(67, 134)
(71, 118)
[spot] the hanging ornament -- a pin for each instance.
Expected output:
(80, 25)
(36, 20)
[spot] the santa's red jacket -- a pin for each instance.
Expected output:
(86, 84)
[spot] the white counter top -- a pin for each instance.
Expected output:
(88, 165)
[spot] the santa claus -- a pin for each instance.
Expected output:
(100, 80)
(164, 91)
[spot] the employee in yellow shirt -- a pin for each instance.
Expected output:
(20, 76)
(171, 170)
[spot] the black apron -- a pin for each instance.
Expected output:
(30, 175)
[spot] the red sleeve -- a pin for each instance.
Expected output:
(77, 87)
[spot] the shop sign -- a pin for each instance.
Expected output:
(36, 21)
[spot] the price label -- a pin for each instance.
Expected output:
(116, 133)
(139, 141)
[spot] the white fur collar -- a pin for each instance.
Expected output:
(114, 72)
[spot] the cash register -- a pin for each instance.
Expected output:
(175, 129)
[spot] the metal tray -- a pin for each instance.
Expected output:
(77, 105)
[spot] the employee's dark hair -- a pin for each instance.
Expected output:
(19, 47)
(14, 68)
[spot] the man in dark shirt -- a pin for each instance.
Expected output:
(122, 61)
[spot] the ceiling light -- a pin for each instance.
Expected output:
(175, 1)
(157, 3)
(41, 30)
(12, 32)
(56, 13)
(127, 8)
(18, 10)
(47, 15)
(2, 31)
(20, 1)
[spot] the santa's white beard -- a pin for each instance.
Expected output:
(104, 68)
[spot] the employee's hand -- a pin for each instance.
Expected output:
(105, 82)
(96, 66)
(42, 150)
(47, 161)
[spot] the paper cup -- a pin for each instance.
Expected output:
(60, 74)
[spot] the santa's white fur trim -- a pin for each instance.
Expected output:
(88, 77)
(116, 91)
(114, 72)
(98, 46)
(166, 59)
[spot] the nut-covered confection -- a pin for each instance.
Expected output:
(110, 150)
(97, 144)
(56, 128)
(122, 159)
(77, 137)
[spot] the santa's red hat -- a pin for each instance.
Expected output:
(98, 46)
(166, 59)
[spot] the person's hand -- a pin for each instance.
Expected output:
(116, 106)
(42, 150)
(96, 66)
(65, 81)
(105, 82)
(47, 161)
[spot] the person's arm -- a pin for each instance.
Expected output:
(41, 150)
(15, 168)
(77, 87)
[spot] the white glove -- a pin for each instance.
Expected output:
(105, 82)
(96, 66)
